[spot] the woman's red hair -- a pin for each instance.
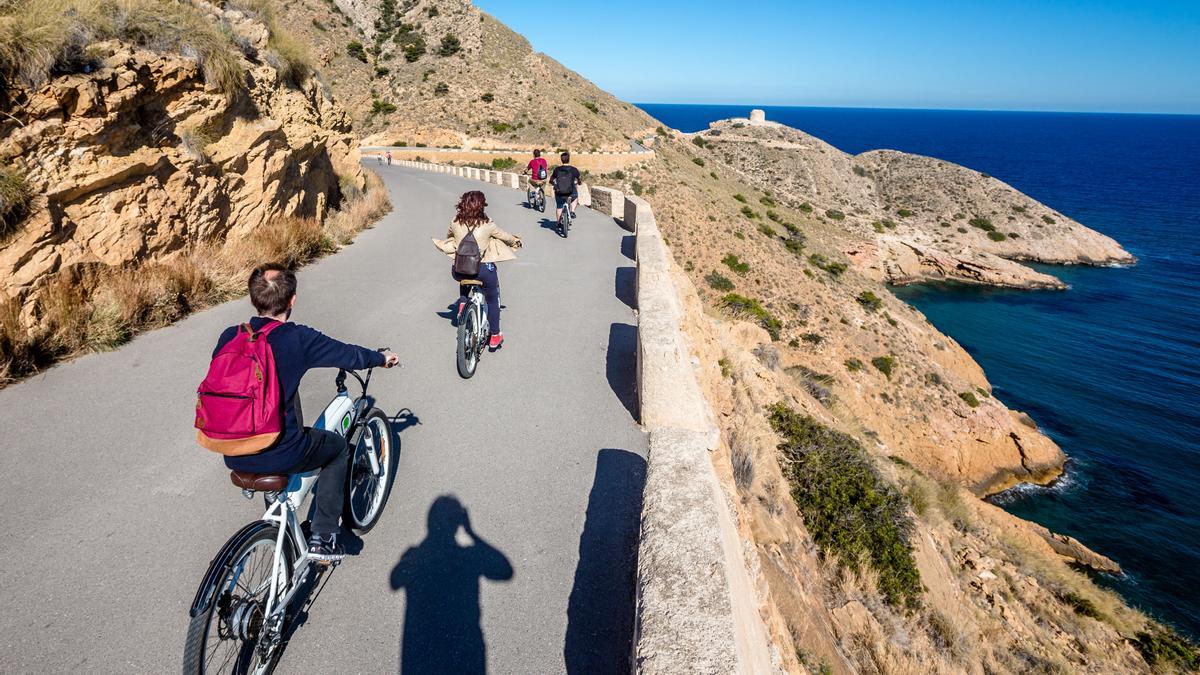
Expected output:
(470, 208)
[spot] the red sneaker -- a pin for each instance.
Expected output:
(496, 341)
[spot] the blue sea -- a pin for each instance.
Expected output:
(1109, 368)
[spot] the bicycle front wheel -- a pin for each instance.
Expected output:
(368, 491)
(233, 634)
(468, 341)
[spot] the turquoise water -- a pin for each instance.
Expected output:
(1110, 369)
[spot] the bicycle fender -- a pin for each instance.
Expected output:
(222, 561)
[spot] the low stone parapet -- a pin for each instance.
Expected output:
(608, 201)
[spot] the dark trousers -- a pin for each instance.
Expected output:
(491, 292)
(329, 452)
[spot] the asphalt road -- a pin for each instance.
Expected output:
(112, 513)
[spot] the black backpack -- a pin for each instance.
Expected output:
(468, 257)
(564, 181)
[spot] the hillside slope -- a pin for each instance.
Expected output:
(443, 72)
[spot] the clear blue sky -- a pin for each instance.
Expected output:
(992, 54)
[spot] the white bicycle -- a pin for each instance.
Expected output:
(240, 614)
(473, 329)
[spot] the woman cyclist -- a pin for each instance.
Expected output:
(494, 245)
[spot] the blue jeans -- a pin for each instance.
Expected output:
(491, 292)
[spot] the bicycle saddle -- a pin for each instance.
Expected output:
(259, 482)
(471, 282)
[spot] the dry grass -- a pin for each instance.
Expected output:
(15, 196)
(287, 55)
(40, 36)
(102, 308)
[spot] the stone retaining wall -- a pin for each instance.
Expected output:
(697, 610)
(596, 162)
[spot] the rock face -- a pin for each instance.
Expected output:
(139, 158)
(908, 218)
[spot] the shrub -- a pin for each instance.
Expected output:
(885, 365)
(731, 261)
(767, 231)
(381, 71)
(821, 262)
(795, 245)
(1082, 606)
(860, 171)
(697, 161)
(662, 132)
(743, 466)
(741, 306)
(1163, 648)
(441, 89)
(355, 49)
(904, 213)
(699, 141)
(869, 301)
(15, 196)
(1018, 209)
(503, 163)
(982, 223)
(500, 127)
(450, 46)
(806, 207)
(888, 223)
(381, 107)
(591, 107)
(878, 226)
(969, 398)
(740, 197)
(853, 514)
(813, 338)
(834, 214)
(414, 49)
(488, 97)
(749, 212)
(637, 188)
(766, 200)
(1048, 220)
(719, 282)
(996, 236)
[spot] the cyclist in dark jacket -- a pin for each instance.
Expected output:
(565, 181)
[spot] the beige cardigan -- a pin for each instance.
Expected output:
(493, 242)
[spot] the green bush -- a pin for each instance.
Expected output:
(1082, 605)
(355, 49)
(888, 223)
(813, 338)
(699, 141)
(503, 163)
(853, 365)
(834, 214)
(414, 50)
(806, 207)
(766, 230)
(996, 236)
(821, 262)
(488, 97)
(860, 171)
(794, 244)
(500, 127)
(450, 46)
(740, 268)
(767, 200)
(441, 89)
(904, 213)
(697, 161)
(749, 212)
(1048, 220)
(740, 197)
(878, 226)
(1163, 648)
(1018, 209)
(982, 223)
(869, 301)
(885, 365)
(381, 107)
(15, 196)
(969, 398)
(592, 107)
(741, 306)
(381, 71)
(853, 514)
(719, 282)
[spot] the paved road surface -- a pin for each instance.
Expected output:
(111, 513)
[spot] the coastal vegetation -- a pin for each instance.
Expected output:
(748, 308)
(885, 364)
(718, 282)
(734, 263)
(854, 516)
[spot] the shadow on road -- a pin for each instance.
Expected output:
(628, 245)
(600, 611)
(620, 365)
(440, 578)
(626, 286)
(549, 224)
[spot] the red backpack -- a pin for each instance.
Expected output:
(239, 405)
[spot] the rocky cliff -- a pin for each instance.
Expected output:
(136, 154)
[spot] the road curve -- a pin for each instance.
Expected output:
(112, 512)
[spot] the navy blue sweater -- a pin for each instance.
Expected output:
(297, 349)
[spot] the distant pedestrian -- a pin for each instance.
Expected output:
(389, 157)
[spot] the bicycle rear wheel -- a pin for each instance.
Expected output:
(226, 636)
(368, 491)
(468, 341)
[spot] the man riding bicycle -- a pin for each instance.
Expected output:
(297, 349)
(565, 180)
(537, 170)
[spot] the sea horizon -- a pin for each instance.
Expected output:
(1105, 368)
(1031, 111)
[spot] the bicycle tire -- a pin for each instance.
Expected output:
(194, 652)
(389, 461)
(467, 354)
